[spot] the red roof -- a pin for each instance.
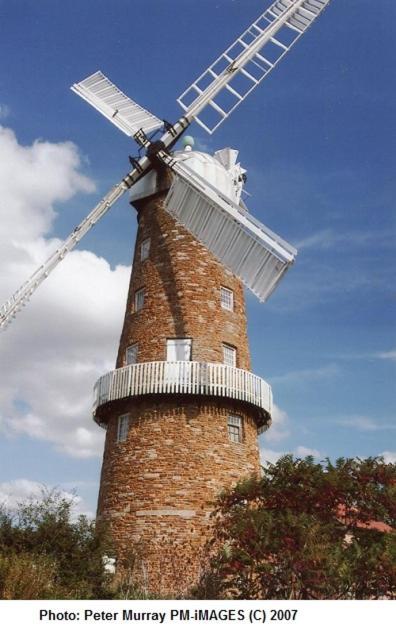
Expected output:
(373, 524)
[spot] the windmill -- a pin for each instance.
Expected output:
(255, 254)
(182, 409)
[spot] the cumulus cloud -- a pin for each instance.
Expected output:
(32, 179)
(389, 457)
(279, 428)
(302, 452)
(278, 431)
(22, 490)
(66, 337)
(271, 456)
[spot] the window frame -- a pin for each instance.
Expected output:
(179, 338)
(123, 425)
(235, 428)
(145, 249)
(228, 295)
(229, 348)
(135, 347)
(141, 291)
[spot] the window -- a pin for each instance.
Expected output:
(131, 354)
(226, 298)
(229, 355)
(235, 428)
(178, 349)
(139, 299)
(122, 428)
(145, 249)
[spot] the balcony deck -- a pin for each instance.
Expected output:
(187, 378)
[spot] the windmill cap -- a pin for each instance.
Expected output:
(227, 157)
(221, 170)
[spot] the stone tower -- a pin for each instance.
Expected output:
(182, 409)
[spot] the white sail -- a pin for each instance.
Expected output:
(123, 112)
(239, 241)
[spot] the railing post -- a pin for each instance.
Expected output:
(129, 379)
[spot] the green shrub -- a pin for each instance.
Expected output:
(45, 554)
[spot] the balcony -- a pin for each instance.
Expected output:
(187, 378)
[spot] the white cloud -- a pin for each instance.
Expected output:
(266, 454)
(391, 355)
(322, 239)
(32, 179)
(279, 428)
(389, 457)
(307, 375)
(278, 431)
(21, 490)
(302, 452)
(384, 355)
(67, 336)
(270, 455)
(361, 422)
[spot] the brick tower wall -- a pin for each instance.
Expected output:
(158, 486)
(182, 283)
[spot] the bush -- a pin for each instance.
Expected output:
(26, 576)
(306, 531)
(45, 554)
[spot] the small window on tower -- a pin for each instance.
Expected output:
(178, 349)
(122, 428)
(131, 354)
(235, 428)
(139, 299)
(145, 249)
(229, 355)
(226, 298)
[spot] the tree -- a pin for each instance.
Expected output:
(306, 531)
(44, 553)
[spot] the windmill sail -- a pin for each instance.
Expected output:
(247, 247)
(20, 298)
(123, 112)
(228, 81)
(254, 253)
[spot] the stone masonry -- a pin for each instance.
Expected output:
(158, 486)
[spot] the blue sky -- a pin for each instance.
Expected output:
(318, 141)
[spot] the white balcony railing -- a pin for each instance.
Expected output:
(194, 378)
